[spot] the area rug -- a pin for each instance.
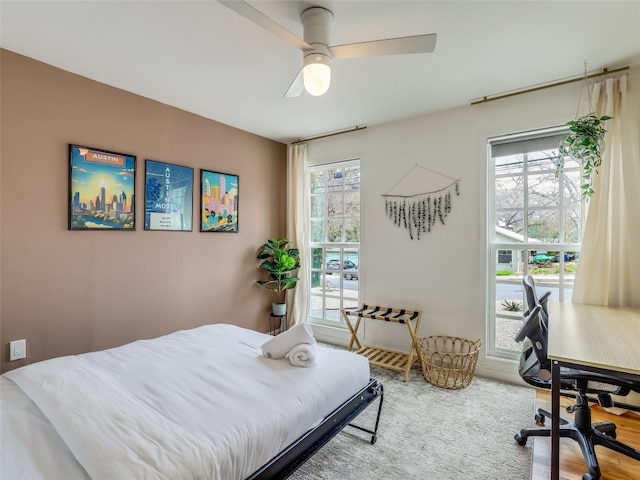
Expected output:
(427, 432)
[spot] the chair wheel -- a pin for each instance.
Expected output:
(588, 476)
(374, 439)
(612, 434)
(540, 419)
(520, 439)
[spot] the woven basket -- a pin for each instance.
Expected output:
(449, 362)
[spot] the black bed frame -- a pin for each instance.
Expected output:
(291, 458)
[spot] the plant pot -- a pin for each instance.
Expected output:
(279, 309)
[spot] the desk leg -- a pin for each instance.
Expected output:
(555, 420)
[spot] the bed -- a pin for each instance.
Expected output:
(196, 404)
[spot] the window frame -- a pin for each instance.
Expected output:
(521, 251)
(343, 250)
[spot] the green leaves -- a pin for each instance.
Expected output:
(584, 144)
(287, 262)
(280, 261)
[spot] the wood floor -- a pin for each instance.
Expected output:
(612, 465)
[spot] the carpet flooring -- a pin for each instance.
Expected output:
(427, 432)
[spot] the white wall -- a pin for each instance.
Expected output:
(444, 273)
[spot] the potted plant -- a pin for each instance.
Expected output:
(584, 143)
(281, 262)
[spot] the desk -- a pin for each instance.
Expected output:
(592, 338)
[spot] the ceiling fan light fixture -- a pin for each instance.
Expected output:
(316, 47)
(316, 74)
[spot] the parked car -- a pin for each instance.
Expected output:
(352, 273)
(542, 257)
(335, 265)
(348, 265)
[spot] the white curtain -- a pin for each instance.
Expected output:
(609, 268)
(297, 226)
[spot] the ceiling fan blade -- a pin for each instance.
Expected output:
(296, 87)
(390, 46)
(259, 18)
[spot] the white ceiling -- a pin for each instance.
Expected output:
(202, 57)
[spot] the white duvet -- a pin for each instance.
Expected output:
(200, 403)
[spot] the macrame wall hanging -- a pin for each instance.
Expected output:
(419, 212)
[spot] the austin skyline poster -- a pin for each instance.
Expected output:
(219, 202)
(101, 189)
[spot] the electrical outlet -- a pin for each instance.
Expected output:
(17, 350)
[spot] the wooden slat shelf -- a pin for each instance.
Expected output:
(382, 357)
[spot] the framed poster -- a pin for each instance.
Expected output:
(101, 189)
(218, 202)
(168, 197)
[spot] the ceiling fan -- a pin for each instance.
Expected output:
(315, 74)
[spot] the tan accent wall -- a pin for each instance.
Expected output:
(69, 292)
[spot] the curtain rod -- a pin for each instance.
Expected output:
(556, 84)
(325, 135)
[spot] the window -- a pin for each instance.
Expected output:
(505, 256)
(334, 241)
(535, 227)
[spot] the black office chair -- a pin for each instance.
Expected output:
(535, 369)
(533, 300)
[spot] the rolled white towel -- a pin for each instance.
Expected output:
(303, 355)
(278, 346)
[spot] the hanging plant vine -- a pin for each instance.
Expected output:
(584, 143)
(418, 213)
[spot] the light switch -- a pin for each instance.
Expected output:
(17, 350)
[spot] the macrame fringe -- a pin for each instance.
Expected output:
(419, 213)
